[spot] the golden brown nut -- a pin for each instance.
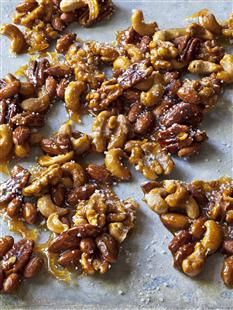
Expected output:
(113, 162)
(213, 237)
(46, 207)
(194, 263)
(72, 96)
(18, 42)
(36, 105)
(6, 141)
(203, 67)
(140, 26)
(55, 225)
(46, 160)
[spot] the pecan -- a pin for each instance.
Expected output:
(29, 212)
(11, 283)
(51, 86)
(36, 71)
(87, 245)
(108, 247)
(134, 111)
(144, 122)
(59, 144)
(28, 119)
(18, 256)
(58, 194)
(10, 90)
(227, 271)
(60, 71)
(64, 42)
(70, 258)
(21, 135)
(188, 47)
(3, 111)
(98, 173)
(14, 207)
(183, 252)
(6, 244)
(80, 193)
(61, 88)
(136, 73)
(182, 238)
(144, 44)
(33, 267)
(58, 24)
(227, 247)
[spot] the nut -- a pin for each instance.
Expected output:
(140, 26)
(36, 105)
(18, 42)
(76, 171)
(29, 212)
(174, 221)
(47, 207)
(21, 135)
(6, 244)
(98, 173)
(114, 165)
(87, 245)
(6, 141)
(156, 202)
(212, 238)
(33, 267)
(13, 207)
(9, 90)
(70, 259)
(108, 247)
(11, 283)
(203, 67)
(80, 193)
(47, 161)
(64, 42)
(194, 263)
(55, 225)
(227, 271)
(72, 95)
(71, 5)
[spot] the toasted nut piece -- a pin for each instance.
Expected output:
(208, 21)
(227, 64)
(196, 30)
(140, 26)
(76, 171)
(197, 228)
(98, 173)
(174, 221)
(72, 5)
(168, 34)
(121, 63)
(46, 161)
(81, 145)
(120, 126)
(18, 42)
(22, 151)
(11, 283)
(58, 194)
(192, 208)
(13, 207)
(27, 89)
(6, 141)
(108, 247)
(33, 267)
(213, 237)
(35, 105)
(70, 259)
(152, 96)
(55, 225)
(194, 263)
(227, 271)
(87, 245)
(181, 238)
(11, 89)
(30, 212)
(114, 165)
(98, 131)
(47, 207)
(72, 95)
(6, 244)
(203, 67)
(156, 202)
(118, 231)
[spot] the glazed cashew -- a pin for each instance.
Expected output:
(18, 42)
(76, 171)
(169, 34)
(212, 238)
(113, 163)
(134, 52)
(55, 225)
(36, 105)
(6, 141)
(203, 67)
(22, 151)
(198, 31)
(140, 26)
(99, 131)
(72, 95)
(72, 5)
(47, 207)
(175, 221)
(194, 263)
(155, 200)
(46, 160)
(227, 74)
(81, 145)
(51, 175)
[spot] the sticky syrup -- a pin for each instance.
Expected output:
(19, 227)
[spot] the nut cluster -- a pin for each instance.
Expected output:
(200, 216)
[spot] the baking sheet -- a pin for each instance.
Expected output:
(143, 277)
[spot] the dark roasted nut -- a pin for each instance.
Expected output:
(98, 173)
(147, 187)
(33, 267)
(21, 135)
(70, 258)
(68, 17)
(36, 72)
(108, 247)
(144, 122)
(28, 119)
(135, 110)
(64, 42)
(61, 88)
(197, 228)
(13, 207)
(11, 283)
(30, 212)
(60, 71)
(187, 47)
(59, 144)
(58, 194)
(180, 239)
(51, 86)
(58, 24)
(10, 90)
(183, 252)
(227, 271)
(6, 244)
(227, 247)
(87, 245)
(18, 256)
(80, 193)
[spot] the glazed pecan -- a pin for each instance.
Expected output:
(36, 71)
(59, 144)
(188, 47)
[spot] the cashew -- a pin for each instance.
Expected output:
(6, 141)
(192, 208)
(203, 67)
(22, 151)
(52, 176)
(46, 160)
(227, 64)
(72, 95)
(179, 195)
(140, 26)
(98, 131)
(194, 263)
(71, 5)
(113, 163)
(121, 63)
(36, 105)
(213, 237)
(11, 89)
(196, 30)
(76, 171)
(169, 34)
(155, 200)
(55, 225)
(18, 42)
(65, 129)
(47, 207)
(81, 145)
(175, 221)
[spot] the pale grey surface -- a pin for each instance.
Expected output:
(143, 276)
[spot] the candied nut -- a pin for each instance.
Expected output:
(227, 74)
(47, 161)
(11, 283)
(121, 63)
(134, 111)
(227, 271)
(114, 164)
(175, 221)
(6, 141)
(13, 207)
(194, 263)
(28, 119)
(197, 228)
(99, 131)
(46, 207)
(55, 225)
(21, 135)
(51, 175)
(118, 231)
(203, 67)
(196, 30)
(36, 105)
(140, 26)
(80, 193)
(208, 21)
(108, 247)
(36, 72)
(18, 42)
(71, 5)
(33, 267)
(155, 200)
(22, 151)
(153, 96)
(181, 238)
(51, 86)
(6, 244)
(87, 263)
(213, 237)
(119, 126)
(187, 47)
(29, 212)
(98, 173)
(168, 34)
(227, 246)
(10, 90)
(27, 89)
(58, 194)
(65, 41)
(87, 245)
(59, 144)
(144, 122)
(81, 144)
(76, 171)
(59, 70)
(183, 252)
(72, 95)
(70, 259)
